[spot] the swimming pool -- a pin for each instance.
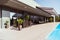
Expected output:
(55, 35)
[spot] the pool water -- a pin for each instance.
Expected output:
(55, 35)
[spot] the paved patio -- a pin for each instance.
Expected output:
(35, 32)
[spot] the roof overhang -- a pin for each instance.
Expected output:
(21, 6)
(51, 11)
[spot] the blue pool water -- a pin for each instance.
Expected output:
(55, 35)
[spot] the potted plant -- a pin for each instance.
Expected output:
(26, 20)
(20, 21)
(6, 24)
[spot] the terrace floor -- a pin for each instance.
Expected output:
(35, 32)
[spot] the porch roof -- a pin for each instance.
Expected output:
(49, 10)
(21, 6)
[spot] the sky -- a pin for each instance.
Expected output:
(50, 3)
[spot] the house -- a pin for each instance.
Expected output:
(22, 7)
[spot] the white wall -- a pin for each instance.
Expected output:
(31, 3)
(0, 17)
(0, 22)
(5, 17)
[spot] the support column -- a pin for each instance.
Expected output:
(0, 17)
(53, 17)
(45, 19)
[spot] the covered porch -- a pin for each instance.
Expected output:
(20, 9)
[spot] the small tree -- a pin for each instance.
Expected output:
(27, 19)
(57, 18)
(51, 19)
(20, 21)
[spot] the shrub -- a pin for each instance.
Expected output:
(20, 21)
(27, 17)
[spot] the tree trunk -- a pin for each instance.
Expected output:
(19, 26)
